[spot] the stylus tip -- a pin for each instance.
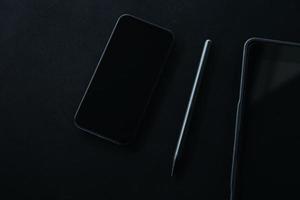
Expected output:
(173, 167)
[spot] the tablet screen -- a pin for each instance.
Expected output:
(269, 146)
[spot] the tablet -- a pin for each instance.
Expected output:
(266, 160)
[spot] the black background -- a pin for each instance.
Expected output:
(48, 52)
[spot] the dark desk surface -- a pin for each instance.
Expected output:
(48, 51)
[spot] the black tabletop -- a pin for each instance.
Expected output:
(48, 52)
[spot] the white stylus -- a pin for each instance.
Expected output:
(187, 116)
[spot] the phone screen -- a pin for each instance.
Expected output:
(119, 92)
(269, 152)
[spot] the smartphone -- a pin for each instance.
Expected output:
(120, 89)
(266, 162)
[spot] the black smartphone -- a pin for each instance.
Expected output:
(120, 89)
(266, 162)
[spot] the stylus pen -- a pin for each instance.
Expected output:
(187, 117)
